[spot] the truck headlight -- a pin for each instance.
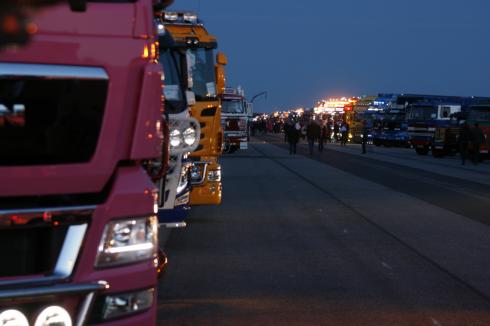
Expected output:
(198, 172)
(175, 138)
(189, 136)
(13, 317)
(128, 241)
(53, 316)
(214, 176)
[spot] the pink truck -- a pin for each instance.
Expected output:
(81, 128)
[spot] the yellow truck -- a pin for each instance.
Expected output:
(204, 75)
(356, 117)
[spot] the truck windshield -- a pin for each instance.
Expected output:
(422, 113)
(232, 106)
(479, 114)
(174, 97)
(201, 69)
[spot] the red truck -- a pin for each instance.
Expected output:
(80, 127)
(235, 115)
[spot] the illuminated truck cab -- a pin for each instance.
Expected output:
(235, 113)
(192, 39)
(80, 114)
(184, 132)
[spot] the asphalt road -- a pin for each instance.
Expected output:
(336, 239)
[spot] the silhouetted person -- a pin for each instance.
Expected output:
(344, 129)
(365, 133)
(329, 131)
(477, 138)
(463, 141)
(336, 128)
(323, 136)
(293, 135)
(312, 134)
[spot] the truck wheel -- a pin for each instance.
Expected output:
(422, 151)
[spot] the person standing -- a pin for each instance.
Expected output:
(323, 136)
(312, 134)
(336, 129)
(329, 130)
(365, 133)
(463, 141)
(293, 137)
(478, 138)
(344, 129)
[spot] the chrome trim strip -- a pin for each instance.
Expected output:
(7, 295)
(40, 210)
(32, 281)
(84, 309)
(70, 250)
(205, 170)
(178, 225)
(52, 71)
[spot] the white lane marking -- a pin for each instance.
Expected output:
(435, 322)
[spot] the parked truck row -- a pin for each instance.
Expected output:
(109, 130)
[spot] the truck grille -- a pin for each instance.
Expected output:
(37, 242)
(30, 250)
(50, 114)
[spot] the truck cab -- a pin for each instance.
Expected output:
(235, 114)
(193, 40)
(81, 124)
(428, 123)
(184, 134)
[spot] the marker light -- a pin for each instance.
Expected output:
(128, 241)
(13, 318)
(53, 316)
(171, 16)
(190, 18)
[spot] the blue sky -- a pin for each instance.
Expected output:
(302, 51)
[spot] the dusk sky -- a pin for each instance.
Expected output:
(302, 51)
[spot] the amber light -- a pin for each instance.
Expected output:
(11, 25)
(150, 51)
(32, 28)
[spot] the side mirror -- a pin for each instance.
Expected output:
(190, 97)
(250, 109)
(221, 59)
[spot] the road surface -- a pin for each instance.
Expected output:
(339, 238)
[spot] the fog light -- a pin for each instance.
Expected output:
(175, 138)
(119, 305)
(13, 318)
(190, 136)
(53, 316)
